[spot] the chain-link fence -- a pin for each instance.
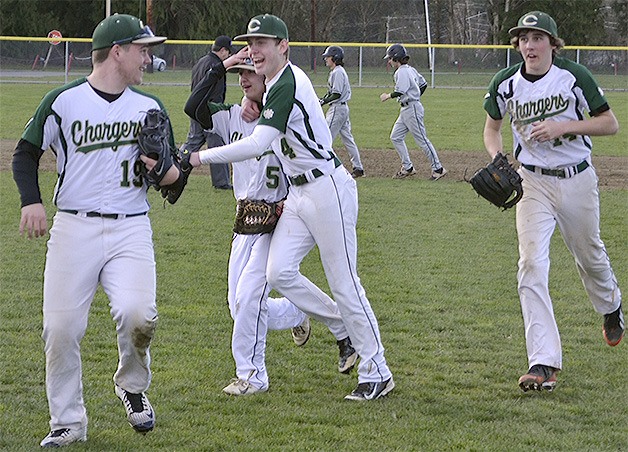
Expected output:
(455, 66)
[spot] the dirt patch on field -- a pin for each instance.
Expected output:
(612, 171)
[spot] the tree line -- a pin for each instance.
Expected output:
(580, 22)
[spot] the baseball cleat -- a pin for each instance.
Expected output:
(357, 173)
(438, 173)
(403, 173)
(64, 437)
(539, 378)
(239, 387)
(301, 333)
(347, 355)
(139, 411)
(371, 391)
(614, 327)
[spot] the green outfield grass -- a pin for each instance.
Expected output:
(439, 267)
(454, 117)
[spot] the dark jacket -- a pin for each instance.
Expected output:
(199, 70)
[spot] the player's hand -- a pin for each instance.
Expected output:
(237, 58)
(33, 221)
(250, 110)
(547, 130)
(148, 162)
(384, 97)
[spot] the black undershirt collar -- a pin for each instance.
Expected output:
(107, 96)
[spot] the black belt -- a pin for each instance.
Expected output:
(405, 104)
(340, 103)
(112, 216)
(561, 173)
(302, 178)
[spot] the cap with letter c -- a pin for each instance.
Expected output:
(536, 20)
(123, 29)
(265, 26)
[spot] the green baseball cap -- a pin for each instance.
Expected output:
(123, 29)
(536, 20)
(265, 26)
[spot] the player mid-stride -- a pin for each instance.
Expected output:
(546, 97)
(409, 86)
(321, 207)
(337, 96)
(100, 233)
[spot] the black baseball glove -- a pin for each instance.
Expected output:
(498, 183)
(154, 141)
(173, 191)
(256, 217)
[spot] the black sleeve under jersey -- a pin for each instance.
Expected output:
(25, 172)
(196, 105)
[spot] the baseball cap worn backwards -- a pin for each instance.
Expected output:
(265, 26)
(536, 20)
(246, 65)
(123, 29)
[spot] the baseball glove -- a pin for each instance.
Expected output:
(498, 183)
(256, 217)
(173, 191)
(154, 141)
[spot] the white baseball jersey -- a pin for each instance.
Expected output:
(291, 106)
(259, 178)
(95, 143)
(565, 93)
(567, 198)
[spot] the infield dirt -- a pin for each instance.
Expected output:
(612, 171)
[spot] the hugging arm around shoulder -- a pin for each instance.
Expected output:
(252, 146)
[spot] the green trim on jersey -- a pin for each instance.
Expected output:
(35, 135)
(490, 103)
(215, 107)
(585, 81)
(280, 101)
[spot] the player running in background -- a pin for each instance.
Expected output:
(100, 233)
(560, 185)
(261, 178)
(409, 86)
(337, 96)
(322, 203)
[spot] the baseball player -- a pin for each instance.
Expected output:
(258, 178)
(337, 96)
(321, 207)
(546, 97)
(197, 137)
(101, 233)
(409, 86)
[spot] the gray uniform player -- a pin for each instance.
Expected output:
(337, 96)
(321, 207)
(101, 233)
(409, 86)
(546, 97)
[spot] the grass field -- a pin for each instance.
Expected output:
(439, 266)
